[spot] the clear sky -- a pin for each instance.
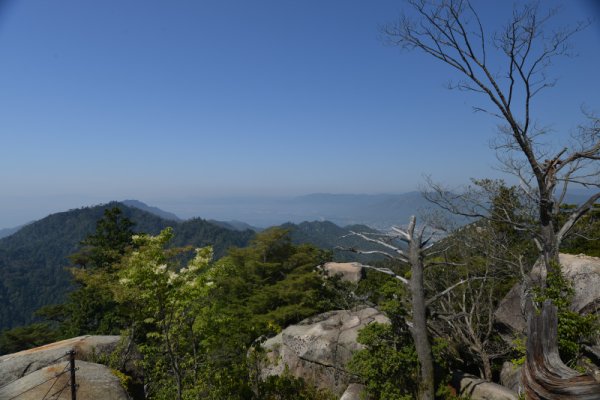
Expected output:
(179, 99)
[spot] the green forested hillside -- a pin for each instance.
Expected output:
(33, 260)
(328, 236)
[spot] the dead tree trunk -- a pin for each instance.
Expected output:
(545, 376)
(415, 256)
(419, 311)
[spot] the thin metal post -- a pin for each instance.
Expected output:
(73, 384)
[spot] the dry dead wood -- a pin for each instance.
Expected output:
(545, 376)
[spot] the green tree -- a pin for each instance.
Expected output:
(195, 323)
(27, 337)
(106, 246)
(90, 308)
(165, 302)
(389, 365)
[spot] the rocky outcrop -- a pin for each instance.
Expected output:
(94, 381)
(87, 348)
(584, 273)
(319, 348)
(43, 371)
(472, 387)
(510, 314)
(350, 272)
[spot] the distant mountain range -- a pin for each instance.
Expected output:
(152, 210)
(377, 211)
(33, 256)
(33, 259)
(380, 211)
(9, 231)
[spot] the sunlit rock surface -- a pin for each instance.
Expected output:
(584, 273)
(44, 372)
(318, 348)
(474, 388)
(94, 381)
(351, 272)
(17, 365)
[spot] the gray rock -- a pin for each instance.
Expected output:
(319, 348)
(94, 382)
(584, 273)
(478, 389)
(509, 313)
(17, 365)
(351, 272)
(510, 376)
(353, 392)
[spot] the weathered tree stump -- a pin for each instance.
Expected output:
(545, 376)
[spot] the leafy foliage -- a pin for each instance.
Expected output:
(164, 302)
(388, 365)
(195, 323)
(27, 337)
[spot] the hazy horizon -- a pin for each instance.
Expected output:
(184, 208)
(159, 101)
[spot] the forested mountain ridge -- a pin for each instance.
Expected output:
(152, 210)
(33, 260)
(9, 231)
(329, 236)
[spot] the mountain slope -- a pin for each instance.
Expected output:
(33, 260)
(9, 231)
(152, 210)
(329, 236)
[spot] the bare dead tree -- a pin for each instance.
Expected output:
(466, 315)
(419, 255)
(451, 32)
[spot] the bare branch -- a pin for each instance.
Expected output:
(450, 288)
(576, 215)
(367, 252)
(387, 271)
(395, 249)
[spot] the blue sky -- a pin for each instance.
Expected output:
(167, 100)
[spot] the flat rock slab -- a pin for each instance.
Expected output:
(17, 365)
(94, 381)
